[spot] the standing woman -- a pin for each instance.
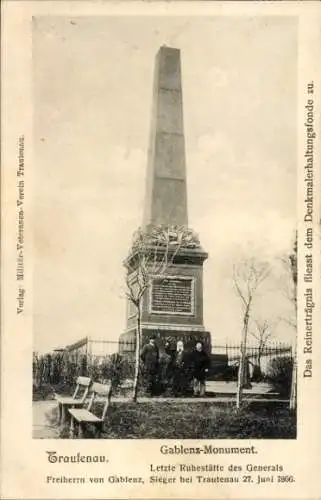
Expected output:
(166, 368)
(180, 370)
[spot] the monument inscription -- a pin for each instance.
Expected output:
(172, 295)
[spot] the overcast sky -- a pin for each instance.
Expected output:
(92, 104)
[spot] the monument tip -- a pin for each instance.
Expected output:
(167, 48)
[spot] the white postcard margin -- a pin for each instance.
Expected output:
(24, 461)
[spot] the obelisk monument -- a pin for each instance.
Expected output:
(172, 306)
(166, 196)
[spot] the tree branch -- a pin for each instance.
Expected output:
(238, 289)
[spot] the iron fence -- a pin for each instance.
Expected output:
(99, 358)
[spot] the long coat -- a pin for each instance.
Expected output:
(200, 362)
(181, 372)
(150, 357)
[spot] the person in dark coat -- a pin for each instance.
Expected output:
(150, 359)
(166, 367)
(180, 370)
(200, 364)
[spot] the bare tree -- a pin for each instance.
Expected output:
(262, 335)
(154, 251)
(247, 277)
(288, 286)
(293, 258)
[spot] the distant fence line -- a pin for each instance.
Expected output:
(96, 358)
(270, 350)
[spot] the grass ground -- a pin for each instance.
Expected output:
(179, 420)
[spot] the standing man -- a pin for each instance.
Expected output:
(150, 359)
(200, 366)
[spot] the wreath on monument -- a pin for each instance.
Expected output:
(167, 236)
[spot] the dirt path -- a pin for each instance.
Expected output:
(43, 425)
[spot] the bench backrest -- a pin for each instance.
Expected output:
(83, 384)
(104, 390)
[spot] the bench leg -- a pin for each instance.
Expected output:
(59, 414)
(72, 428)
(63, 414)
(98, 430)
(80, 430)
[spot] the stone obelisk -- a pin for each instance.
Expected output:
(172, 307)
(166, 195)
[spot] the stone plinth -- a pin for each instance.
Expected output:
(172, 306)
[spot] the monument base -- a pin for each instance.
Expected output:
(127, 340)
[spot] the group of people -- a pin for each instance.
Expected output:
(175, 370)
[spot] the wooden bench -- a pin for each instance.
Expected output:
(85, 416)
(76, 400)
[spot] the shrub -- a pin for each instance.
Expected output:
(257, 375)
(230, 373)
(279, 374)
(113, 367)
